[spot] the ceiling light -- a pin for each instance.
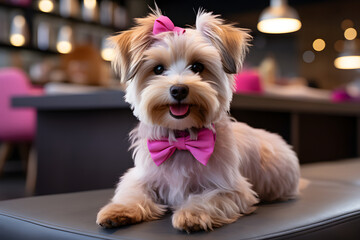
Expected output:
(279, 18)
(349, 58)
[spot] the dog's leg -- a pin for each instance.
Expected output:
(131, 204)
(213, 209)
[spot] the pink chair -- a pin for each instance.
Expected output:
(17, 125)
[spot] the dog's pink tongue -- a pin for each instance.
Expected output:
(179, 109)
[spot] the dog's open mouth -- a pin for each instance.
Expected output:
(179, 111)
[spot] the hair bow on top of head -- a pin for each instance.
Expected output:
(164, 24)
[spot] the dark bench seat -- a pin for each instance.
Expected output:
(329, 208)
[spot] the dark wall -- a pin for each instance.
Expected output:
(183, 12)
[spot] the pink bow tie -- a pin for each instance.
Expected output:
(201, 149)
(164, 24)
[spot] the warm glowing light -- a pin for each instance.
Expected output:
(350, 34)
(279, 25)
(347, 62)
(64, 40)
(46, 5)
(90, 4)
(17, 39)
(64, 47)
(107, 54)
(347, 23)
(18, 31)
(319, 44)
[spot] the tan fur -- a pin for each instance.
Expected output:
(135, 207)
(130, 46)
(156, 99)
(246, 163)
(191, 221)
(115, 215)
(232, 42)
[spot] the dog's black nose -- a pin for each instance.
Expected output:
(179, 91)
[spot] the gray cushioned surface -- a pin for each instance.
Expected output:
(323, 211)
(344, 171)
(72, 216)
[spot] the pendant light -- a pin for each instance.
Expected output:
(107, 50)
(64, 40)
(90, 10)
(279, 18)
(349, 58)
(18, 31)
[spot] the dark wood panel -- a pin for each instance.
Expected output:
(326, 137)
(276, 122)
(82, 150)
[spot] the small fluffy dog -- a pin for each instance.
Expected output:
(189, 154)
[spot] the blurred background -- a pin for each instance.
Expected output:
(301, 49)
(36, 35)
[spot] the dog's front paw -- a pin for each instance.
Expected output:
(115, 215)
(191, 221)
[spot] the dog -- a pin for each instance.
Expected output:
(190, 156)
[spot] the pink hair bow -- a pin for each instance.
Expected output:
(164, 24)
(201, 149)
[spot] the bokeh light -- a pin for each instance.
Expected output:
(308, 56)
(350, 33)
(46, 5)
(64, 47)
(319, 44)
(347, 23)
(107, 54)
(90, 4)
(17, 40)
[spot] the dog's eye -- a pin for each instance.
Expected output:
(159, 69)
(197, 67)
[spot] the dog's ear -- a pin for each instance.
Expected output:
(130, 45)
(232, 42)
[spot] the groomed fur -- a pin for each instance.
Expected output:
(246, 163)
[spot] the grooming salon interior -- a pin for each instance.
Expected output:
(65, 122)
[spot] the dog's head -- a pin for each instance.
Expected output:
(177, 79)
